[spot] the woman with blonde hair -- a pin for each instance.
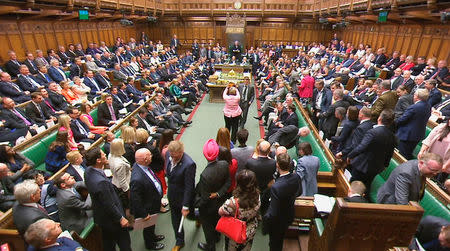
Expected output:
(80, 89)
(232, 111)
(129, 138)
(64, 125)
(223, 138)
(67, 92)
(86, 117)
(121, 170)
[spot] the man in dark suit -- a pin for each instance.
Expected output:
(380, 58)
(440, 73)
(432, 234)
(80, 130)
(27, 211)
(175, 43)
(76, 167)
(435, 96)
(56, 72)
(58, 101)
(356, 192)
(330, 122)
(412, 124)
(247, 92)
(288, 135)
(76, 69)
(37, 112)
(42, 76)
(92, 83)
(72, 209)
(12, 65)
(26, 81)
(374, 152)
(108, 113)
(12, 90)
(283, 192)
(397, 79)
(321, 101)
(102, 79)
(290, 119)
(407, 182)
(145, 196)
(180, 172)
(7, 199)
(264, 168)
(108, 210)
(365, 124)
(16, 118)
(44, 235)
(212, 188)
(29, 62)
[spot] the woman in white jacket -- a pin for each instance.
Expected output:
(121, 171)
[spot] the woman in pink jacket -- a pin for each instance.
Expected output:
(305, 88)
(232, 111)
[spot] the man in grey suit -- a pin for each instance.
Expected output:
(72, 209)
(407, 182)
(242, 153)
(247, 92)
(288, 135)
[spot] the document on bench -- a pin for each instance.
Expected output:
(140, 223)
(323, 203)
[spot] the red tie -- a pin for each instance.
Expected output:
(49, 105)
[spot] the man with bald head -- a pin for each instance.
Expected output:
(145, 196)
(264, 168)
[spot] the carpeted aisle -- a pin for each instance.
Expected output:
(207, 119)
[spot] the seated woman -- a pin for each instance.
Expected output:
(67, 92)
(80, 89)
(86, 117)
(307, 168)
(56, 156)
(15, 161)
(64, 125)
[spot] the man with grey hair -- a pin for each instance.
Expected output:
(56, 72)
(90, 64)
(412, 124)
(27, 211)
(44, 235)
(6, 189)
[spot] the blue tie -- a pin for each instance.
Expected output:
(48, 78)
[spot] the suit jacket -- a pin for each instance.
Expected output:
(412, 124)
(396, 83)
(145, 198)
(65, 244)
(284, 136)
(91, 85)
(43, 79)
(242, 155)
(250, 94)
(12, 67)
(330, 123)
(307, 168)
(429, 229)
(402, 186)
(283, 192)
(77, 131)
(356, 199)
(31, 66)
(7, 90)
(387, 100)
(374, 152)
(290, 119)
(103, 82)
(120, 76)
(264, 168)
(24, 216)
(215, 178)
(435, 97)
(380, 60)
(106, 204)
(181, 181)
(357, 136)
(25, 84)
(327, 96)
(33, 113)
(71, 170)
(103, 114)
(57, 100)
(55, 74)
(13, 120)
(72, 209)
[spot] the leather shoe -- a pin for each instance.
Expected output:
(159, 238)
(156, 246)
(177, 247)
(188, 122)
(203, 246)
(258, 118)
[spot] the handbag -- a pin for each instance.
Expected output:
(232, 227)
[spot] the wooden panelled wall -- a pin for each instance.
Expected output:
(29, 36)
(415, 40)
(205, 31)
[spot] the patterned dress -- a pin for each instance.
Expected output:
(251, 217)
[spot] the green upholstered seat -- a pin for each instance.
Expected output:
(37, 153)
(434, 207)
(93, 114)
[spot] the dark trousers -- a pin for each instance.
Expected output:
(175, 214)
(276, 237)
(232, 123)
(406, 148)
(119, 236)
(244, 107)
(365, 178)
(149, 236)
(209, 219)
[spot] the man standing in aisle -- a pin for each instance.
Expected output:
(180, 171)
(108, 210)
(247, 91)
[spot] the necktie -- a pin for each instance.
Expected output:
(49, 105)
(155, 181)
(16, 87)
(82, 130)
(46, 77)
(74, 191)
(28, 123)
(244, 93)
(113, 114)
(42, 209)
(40, 111)
(422, 187)
(147, 125)
(32, 65)
(95, 83)
(32, 81)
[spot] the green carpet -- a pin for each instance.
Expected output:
(206, 121)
